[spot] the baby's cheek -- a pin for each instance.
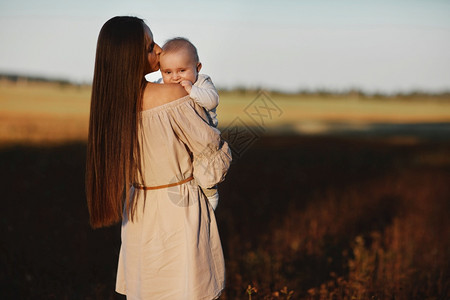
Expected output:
(192, 77)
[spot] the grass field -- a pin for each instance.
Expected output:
(43, 113)
(306, 211)
(50, 112)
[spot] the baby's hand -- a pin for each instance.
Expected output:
(187, 85)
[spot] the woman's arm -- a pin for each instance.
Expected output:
(211, 155)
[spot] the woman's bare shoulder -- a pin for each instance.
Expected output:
(159, 94)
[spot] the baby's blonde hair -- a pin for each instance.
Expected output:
(181, 43)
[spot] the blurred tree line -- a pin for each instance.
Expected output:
(352, 93)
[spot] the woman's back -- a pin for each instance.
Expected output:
(165, 159)
(173, 240)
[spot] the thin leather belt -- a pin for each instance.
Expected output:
(146, 188)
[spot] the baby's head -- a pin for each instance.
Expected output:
(179, 61)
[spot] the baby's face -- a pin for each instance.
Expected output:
(178, 66)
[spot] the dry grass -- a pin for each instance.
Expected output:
(374, 225)
(297, 109)
(35, 128)
(39, 113)
(300, 217)
(53, 113)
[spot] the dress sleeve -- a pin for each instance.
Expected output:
(211, 155)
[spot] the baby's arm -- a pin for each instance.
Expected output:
(203, 92)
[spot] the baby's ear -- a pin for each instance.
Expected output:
(199, 67)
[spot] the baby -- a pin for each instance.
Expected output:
(179, 63)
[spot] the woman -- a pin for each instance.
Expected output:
(149, 149)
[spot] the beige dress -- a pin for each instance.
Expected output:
(172, 249)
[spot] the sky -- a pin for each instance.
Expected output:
(375, 46)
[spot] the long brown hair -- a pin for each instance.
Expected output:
(113, 152)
